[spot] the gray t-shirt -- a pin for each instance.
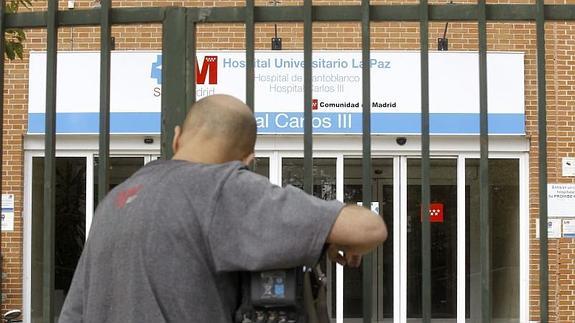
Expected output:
(167, 244)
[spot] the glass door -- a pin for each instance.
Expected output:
(396, 271)
(443, 217)
(345, 290)
(505, 217)
(383, 258)
(70, 226)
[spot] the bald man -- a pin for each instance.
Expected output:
(167, 245)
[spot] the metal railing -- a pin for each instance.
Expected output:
(179, 52)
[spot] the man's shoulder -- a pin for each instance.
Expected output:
(209, 178)
(186, 168)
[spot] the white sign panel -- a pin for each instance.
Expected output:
(395, 91)
(7, 212)
(553, 229)
(568, 228)
(568, 166)
(561, 200)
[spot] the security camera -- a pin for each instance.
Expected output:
(401, 141)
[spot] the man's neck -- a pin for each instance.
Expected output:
(202, 153)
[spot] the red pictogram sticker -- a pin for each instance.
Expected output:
(435, 212)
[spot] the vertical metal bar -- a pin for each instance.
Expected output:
(2, 29)
(425, 164)
(307, 97)
(367, 279)
(50, 164)
(191, 61)
(173, 76)
(104, 146)
(250, 53)
(484, 227)
(542, 127)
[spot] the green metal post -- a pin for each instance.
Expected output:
(50, 164)
(104, 147)
(2, 48)
(250, 53)
(174, 97)
(367, 278)
(484, 235)
(307, 98)
(542, 127)
(191, 61)
(425, 165)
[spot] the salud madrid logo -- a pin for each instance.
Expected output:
(208, 70)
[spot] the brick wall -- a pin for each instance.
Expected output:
(560, 45)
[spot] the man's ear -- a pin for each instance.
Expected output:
(248, 159)
(175, 142)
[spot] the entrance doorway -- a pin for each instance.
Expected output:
(396, 196)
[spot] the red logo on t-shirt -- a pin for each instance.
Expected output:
(126, 196)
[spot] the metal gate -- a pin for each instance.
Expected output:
(179, 52)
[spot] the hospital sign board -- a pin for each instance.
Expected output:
(136, 90)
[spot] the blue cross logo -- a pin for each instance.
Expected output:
(156, 72)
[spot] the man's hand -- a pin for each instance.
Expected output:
(342, 257)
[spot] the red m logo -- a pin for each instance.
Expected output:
(314, 104)
(209, 67)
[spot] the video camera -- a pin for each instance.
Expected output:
(296, 295)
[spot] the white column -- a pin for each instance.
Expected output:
(89, 192)
(339, 269)
(400, 231)
(524, 238)
(461, 274)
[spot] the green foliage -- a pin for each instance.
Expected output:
(14, 38)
